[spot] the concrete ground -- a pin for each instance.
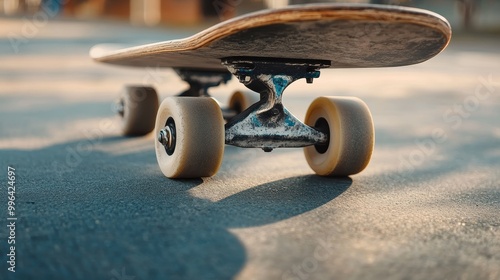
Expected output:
(94, 205)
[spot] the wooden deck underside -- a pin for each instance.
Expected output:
(349, 36)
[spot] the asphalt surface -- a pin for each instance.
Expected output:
(91, 204)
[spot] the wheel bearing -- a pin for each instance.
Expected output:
(167, 136)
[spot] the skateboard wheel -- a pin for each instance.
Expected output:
(241, 100)
(349, 124)
(137, 107)
(190, 140)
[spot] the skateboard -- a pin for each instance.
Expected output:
(267, 51)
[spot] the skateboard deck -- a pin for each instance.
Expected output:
(267, 51)
(348, 36)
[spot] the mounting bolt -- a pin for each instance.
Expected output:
(309, 80)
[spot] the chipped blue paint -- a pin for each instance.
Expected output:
(268, 124)
(280, 83)
(245, 71)
(313, 75)
(255, 121)
(289, 120)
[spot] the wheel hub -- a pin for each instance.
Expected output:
(167, 137)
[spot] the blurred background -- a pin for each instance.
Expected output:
(462, 14)
(94, 205)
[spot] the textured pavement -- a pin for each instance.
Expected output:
(93, 205)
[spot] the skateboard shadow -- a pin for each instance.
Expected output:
(279, 200)
(117, 214)
(194, 235)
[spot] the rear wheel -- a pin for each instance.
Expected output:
(241, 100)
(137, 107)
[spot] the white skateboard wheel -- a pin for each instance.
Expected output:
(349, 124)
(241, 100)
(138, 110)
(195, 137)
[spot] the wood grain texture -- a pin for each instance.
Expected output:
(347, 35)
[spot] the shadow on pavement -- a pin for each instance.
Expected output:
(117, 215)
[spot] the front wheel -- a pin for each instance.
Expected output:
(190, 137)
(349, 125)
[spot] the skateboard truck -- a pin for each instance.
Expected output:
(268, 124)
(200, 81)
